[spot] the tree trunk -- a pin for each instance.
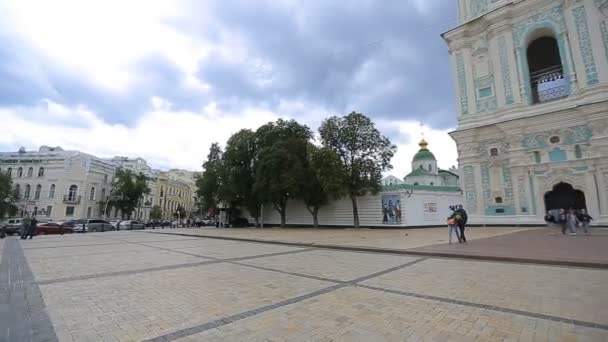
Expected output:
(282, 212)
(353, 199)
(315, 217)
(257, 221)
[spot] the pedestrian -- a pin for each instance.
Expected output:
(25, 226)
(572, 221)
(452, 226)
(549, 218)
(562, 220)
(584, 219)
(32, 227)
(462, 222)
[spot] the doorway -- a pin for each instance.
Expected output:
(564, 196)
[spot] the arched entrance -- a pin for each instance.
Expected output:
(546, 70)
(564, 196)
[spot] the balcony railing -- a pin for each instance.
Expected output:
(72, 199)
(549, 84)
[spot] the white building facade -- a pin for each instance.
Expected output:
(531, 79)
(57, 184)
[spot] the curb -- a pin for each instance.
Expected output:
(584, 264)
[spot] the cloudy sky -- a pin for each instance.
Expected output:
(162, 80)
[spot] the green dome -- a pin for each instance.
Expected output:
(424, 153)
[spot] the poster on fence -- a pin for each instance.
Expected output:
(430, 211)
(391, 209)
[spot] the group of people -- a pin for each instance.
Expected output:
(570, 219)
(457, 220)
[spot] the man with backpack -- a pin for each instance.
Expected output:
(462, 222)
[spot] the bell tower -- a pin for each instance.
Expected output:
(531, 82)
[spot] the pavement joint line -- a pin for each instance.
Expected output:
(489, 307)
(407, 252)
(162, 268)
(254, 312)
(288, 273)
(25, 317)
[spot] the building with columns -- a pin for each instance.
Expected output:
(56, 184)
(531, 79)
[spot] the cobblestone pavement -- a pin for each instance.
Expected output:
(134, 286)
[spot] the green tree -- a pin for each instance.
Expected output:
(8, 195)
(238, 173)
(209, 183)
(282, 163)
(131, 187)
(324, 180)
(364, 152)
(156, 213)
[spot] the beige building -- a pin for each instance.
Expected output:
(58, 185)
(172, 194)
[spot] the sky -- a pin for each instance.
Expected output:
(162, 80)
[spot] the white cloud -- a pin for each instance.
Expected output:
(166, 139)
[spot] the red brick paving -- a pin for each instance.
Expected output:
(542, 245)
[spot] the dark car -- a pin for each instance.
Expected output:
(52, 228)
(165, 224)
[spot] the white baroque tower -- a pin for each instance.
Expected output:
(531, 79)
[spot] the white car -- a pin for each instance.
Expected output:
(130, 225)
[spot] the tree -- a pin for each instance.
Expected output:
(131, 187)
(156, 213)
(209, 183)
(282, 163)
(364, 152)
(324, 180)
(238, 173)
(8, 195)
(180, 212)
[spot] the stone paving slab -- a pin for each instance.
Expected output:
(225, 251)
(574, 293)
(70, 266)
(316, 263)
(541, 245)
(140, 306)
(356, 314)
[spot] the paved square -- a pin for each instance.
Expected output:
(137, 286)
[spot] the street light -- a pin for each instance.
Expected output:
(108, 199)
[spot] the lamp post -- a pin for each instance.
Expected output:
(108, 199)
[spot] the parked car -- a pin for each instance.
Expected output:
(12, 226)
(90, 225)
(52, 228)
(165, 224)
(130, 225)
(153, 223)
(114, 223)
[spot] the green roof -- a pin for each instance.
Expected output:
(419, 172)
(424, 154)
(420, 187)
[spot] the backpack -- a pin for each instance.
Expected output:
(451, 221)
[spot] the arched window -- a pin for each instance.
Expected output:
(18, 190)
(494, 152)
(578, 153)
(546, 71)
(416, 183)
(103, 194)
(20, 172)
(52, 191)
(38, 190)
(498, 200)
(92, 194)
(41, 172)
(430, 167)
(9, 171)
(432, 183)
(72, 192)
(28, 190)
(30, 172)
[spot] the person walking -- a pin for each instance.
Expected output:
(562, 220)
(25, 226)
(452, 226)
(584, 219)
(462, 222)
(32, 228)
(572, 221)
